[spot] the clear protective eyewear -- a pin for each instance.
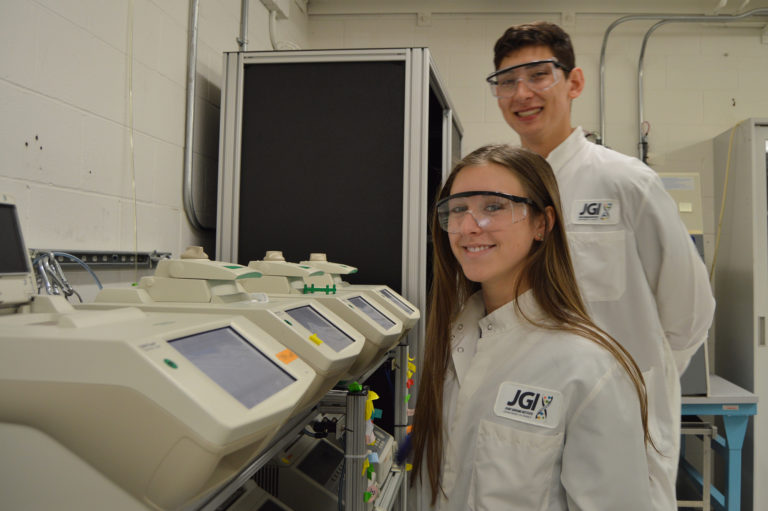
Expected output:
(491, 211)
(538, 76)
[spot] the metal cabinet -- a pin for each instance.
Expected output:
(340, 152)
(741, 285)
(335, 151)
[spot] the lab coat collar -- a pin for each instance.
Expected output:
(464, 335)
(472, 323)
(507, 316)
(561, 154)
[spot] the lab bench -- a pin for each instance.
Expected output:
(735, 406)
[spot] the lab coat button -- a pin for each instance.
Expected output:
(460, 349)
(490, 327)
(460, 326)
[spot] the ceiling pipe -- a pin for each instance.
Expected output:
(242, 41)
(666, 18)
(189, 127)
(641, 60)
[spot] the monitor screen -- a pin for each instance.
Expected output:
(321, 462)
(13, 256)
(372, 312)
(235, 364)
(317, 324)
(391, 297)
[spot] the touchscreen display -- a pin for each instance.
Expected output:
(392, 297)
(316, 323)
(235, 364)
(372, 312)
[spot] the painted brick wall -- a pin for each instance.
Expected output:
(65, 145)
(699, 79)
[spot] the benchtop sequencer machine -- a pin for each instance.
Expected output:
(194, 284)
(124, 409)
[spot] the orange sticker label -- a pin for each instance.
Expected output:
(287, 356)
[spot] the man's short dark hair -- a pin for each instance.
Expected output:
(539, 33)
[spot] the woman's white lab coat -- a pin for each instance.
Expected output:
(538, 419)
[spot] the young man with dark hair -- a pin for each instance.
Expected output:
(638, 271)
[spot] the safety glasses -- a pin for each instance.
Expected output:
(538, 76)
(491, 211)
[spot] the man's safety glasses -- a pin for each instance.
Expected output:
(538, 76)
(491, 211)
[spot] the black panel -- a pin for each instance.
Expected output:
(13, 258)
(270, 506)
(322, 165)
(434, 168)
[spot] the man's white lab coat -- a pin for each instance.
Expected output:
(642, 279)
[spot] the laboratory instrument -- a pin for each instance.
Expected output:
(381, 329)
(393, 301)
(310, 470)
(131, 409)
(194, 284)
(252, 497)
(365, 196)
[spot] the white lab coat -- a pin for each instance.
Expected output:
(573, 442)
(642, 279)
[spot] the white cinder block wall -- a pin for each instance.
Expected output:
(67, 151)
(67, 154)
(700, 79)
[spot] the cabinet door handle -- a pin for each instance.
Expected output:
(761, 330)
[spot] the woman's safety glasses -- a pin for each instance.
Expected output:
(491, 211)
(538, 76)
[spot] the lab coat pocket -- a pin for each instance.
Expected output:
(513, 468)
(599, 260)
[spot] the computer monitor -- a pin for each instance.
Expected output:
(16, 280)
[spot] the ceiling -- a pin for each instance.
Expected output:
(358, 7)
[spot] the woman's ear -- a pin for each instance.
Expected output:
(545, 222)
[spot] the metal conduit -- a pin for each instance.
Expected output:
(189, 127)
(666, 18)
(242, 41)
(641, 61)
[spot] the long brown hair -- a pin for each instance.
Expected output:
(549, 273)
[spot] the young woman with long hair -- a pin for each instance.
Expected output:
(523, 403)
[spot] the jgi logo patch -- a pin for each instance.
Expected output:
(595, 211)
(528, 404)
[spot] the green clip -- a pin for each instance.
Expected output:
(367, 496)
(355, 387)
